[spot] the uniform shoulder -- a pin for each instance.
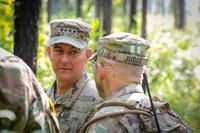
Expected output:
(90, 89)
(113, 117)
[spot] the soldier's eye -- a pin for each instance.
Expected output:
(73, 52)
(58, 51)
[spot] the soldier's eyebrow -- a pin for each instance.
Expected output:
(60, 47)
(57, 46)
(72, 47)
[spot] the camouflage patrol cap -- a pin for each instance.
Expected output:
(69, 31)
(124, 47)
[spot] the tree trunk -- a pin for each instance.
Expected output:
(98, 6)
(79, 10)
(26, 35)
(149, 6)
(144, 14)
(133, 11)
(107, 14)
(162, 7)
(179, 13)
(98, 10)
(124, 6)
(49, 9)
(157, 7)
(104, 14)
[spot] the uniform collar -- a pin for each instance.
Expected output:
(70, 96)
(127, 89)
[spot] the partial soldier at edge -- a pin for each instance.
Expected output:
(24, 107)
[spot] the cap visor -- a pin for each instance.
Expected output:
(68, 40)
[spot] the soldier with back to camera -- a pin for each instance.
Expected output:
(119, 68)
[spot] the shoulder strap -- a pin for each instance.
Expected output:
(114, 103)
(131, 110)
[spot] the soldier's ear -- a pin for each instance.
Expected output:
(48, 50)
(88, 53)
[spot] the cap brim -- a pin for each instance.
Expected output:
(68, 40)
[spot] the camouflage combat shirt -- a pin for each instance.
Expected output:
(75, 106)
(110, 118)
(24, 107)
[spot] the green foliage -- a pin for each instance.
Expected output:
(171, 71)
(6, 24)
(44, 72)
(65, 8)
(171, 64)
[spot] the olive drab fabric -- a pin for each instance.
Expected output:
(124, 47)
(24, 107)
(129, 111)
(75, 106)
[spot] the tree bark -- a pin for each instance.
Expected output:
(133, 11)
(124, 6)
(79, 10)
(49, 9)
(107, 14)
(179, 13)
(98, 6)
(144, 14)
(104, 14)
(98, 10)
(26, 30)
(162, 7)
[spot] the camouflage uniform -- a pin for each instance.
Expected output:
(24, 107)
(128, 109)
(76, 105)
(140, 120)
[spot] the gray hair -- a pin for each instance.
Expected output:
(132, 73)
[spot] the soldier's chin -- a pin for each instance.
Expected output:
(63, 71)
(63, 76)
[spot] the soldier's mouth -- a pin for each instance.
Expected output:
(64, 68)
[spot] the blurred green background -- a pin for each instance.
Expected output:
(174, 57)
